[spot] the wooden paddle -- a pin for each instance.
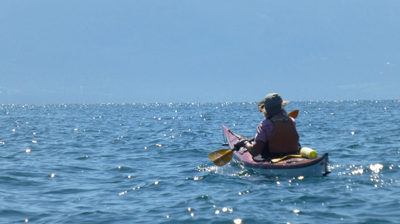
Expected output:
(223, 156)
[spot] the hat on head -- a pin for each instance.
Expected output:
(272, 104)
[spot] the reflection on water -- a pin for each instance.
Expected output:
(376, 168)
(115, 163)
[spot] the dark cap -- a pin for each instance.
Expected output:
(272, 104)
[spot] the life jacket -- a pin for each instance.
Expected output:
(285, 138)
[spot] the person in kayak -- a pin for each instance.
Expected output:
(276, 135)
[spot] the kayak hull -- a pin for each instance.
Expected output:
(290, 167)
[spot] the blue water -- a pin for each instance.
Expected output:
(147, 163)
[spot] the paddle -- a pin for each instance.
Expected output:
(223, 156)
(294, 114)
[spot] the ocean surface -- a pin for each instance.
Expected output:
(147, 163)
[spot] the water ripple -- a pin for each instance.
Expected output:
(147, 163)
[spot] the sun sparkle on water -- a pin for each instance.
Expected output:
(130, 157)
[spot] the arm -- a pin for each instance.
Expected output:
(264, 131)
(255, 148)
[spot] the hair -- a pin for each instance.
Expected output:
(266, 115)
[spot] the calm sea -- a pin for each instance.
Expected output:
(147, 163)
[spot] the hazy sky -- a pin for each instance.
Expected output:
(96, 51)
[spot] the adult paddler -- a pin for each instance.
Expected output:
(276, 135)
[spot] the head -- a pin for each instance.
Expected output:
(272, 104)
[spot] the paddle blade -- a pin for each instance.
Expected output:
(277, 160)
(221, 157)
(294, 114)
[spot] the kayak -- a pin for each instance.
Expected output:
(287, 167)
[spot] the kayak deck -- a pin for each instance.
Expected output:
(288, 167)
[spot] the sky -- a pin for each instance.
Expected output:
(168, 51)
